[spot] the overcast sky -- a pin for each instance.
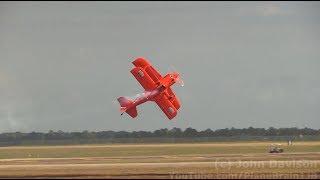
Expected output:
(63, 64)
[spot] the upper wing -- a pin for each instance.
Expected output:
(143, 78)
(168, 103)
(147, 76)
(153, 73)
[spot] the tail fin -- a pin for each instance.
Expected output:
(124, 103)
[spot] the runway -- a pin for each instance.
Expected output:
(205, 166)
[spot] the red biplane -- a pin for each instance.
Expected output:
(157, 89)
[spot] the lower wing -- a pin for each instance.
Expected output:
(166, 105)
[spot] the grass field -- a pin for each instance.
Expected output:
(201, 160)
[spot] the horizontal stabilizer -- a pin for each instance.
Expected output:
(132, 112)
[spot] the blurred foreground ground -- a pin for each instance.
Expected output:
(202, 160)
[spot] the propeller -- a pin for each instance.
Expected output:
(179, 79)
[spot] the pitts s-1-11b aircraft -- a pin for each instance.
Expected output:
(157, 89)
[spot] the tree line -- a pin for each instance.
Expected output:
(161, 133)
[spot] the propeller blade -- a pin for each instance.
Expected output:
(174, 69)
(180, 81)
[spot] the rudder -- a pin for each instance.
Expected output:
(124, 102)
